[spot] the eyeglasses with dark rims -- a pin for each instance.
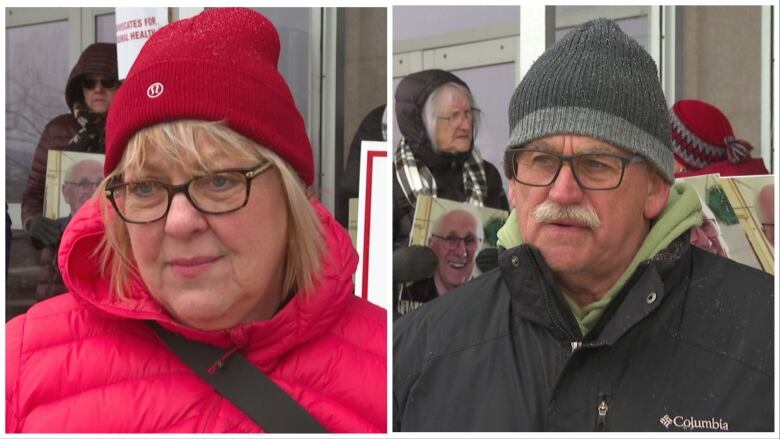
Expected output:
(470, 242)
(597, 171)
(456, 118)
(147, 201)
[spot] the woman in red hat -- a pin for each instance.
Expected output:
(202, 230)
(703, 143)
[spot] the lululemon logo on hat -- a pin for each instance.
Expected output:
(155, 90)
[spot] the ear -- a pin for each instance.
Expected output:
(657, 195)
(511, 192)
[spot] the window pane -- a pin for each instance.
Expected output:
(410, 22)
(36, 73)
(105, 28)
(635, 27)
(294, 29)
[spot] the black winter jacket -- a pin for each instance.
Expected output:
(687, 344)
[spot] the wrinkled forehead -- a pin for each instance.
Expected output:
(449, 97)
(87, 169)
(579, 144)
(458, 222)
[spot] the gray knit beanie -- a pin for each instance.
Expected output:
(595, 82)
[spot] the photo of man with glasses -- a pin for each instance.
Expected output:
(456, 239)
(80, 183)
(601, 315)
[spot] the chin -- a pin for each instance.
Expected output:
(563, 258)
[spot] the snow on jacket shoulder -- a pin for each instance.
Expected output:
(87, 362)
(687, 344)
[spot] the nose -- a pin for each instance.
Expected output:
(183, 220)
(460, 248)
(565, 189)
(464, 123)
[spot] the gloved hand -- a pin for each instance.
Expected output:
(487, 259)
(44, 230)
(413, 263)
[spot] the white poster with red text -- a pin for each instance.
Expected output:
(374, 276)
(133, 27)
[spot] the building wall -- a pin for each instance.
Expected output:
(721, 64)
(365, 67)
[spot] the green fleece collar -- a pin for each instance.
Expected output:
(682, 211)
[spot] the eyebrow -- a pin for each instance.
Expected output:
(601, 147)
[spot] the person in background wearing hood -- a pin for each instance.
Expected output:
(601, 315)
(203, 229)
(436, 156)
(703, 143)
(89, 92)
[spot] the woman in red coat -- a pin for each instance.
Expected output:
(202, 227)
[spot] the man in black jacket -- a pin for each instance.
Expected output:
(600, 316)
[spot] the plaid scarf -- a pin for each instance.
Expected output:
(416, 179)
(91, 137)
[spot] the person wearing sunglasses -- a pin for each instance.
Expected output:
(89, 91)
(203, 229)
(601, 315)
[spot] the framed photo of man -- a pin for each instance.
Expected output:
(444, 223)
(728, 228)
(753, 199)
(71, 179)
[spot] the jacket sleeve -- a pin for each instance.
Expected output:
(14, 332)
(56, 135)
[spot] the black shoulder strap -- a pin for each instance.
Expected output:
(246, 386)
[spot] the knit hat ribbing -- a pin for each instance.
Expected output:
(702, 135)
(220, 65)
(595, 82)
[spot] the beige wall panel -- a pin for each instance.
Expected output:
(721, 62)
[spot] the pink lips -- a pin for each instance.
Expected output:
(192, 267)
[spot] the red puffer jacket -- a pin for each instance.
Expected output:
(87, 362)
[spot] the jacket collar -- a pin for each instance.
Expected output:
(534, 295)
(307, 315)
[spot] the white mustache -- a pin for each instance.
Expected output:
(549, 212)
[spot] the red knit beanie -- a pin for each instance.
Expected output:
(702, 135)
(217, 66)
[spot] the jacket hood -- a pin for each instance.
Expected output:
(410, 97)
(97, 58)
(308, 314)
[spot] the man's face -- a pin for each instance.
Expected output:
(455, 242)
(97, 96)
(454, 123)
(570, 247)
(81, 182)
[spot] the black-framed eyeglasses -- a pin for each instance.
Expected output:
(147, 201)
(593, 170)
(456, 118)
(470, 242)
(90, 83)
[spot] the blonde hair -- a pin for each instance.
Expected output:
(181, 142)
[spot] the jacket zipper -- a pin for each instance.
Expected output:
(601, 420)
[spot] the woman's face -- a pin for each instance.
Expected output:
(214, 271)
